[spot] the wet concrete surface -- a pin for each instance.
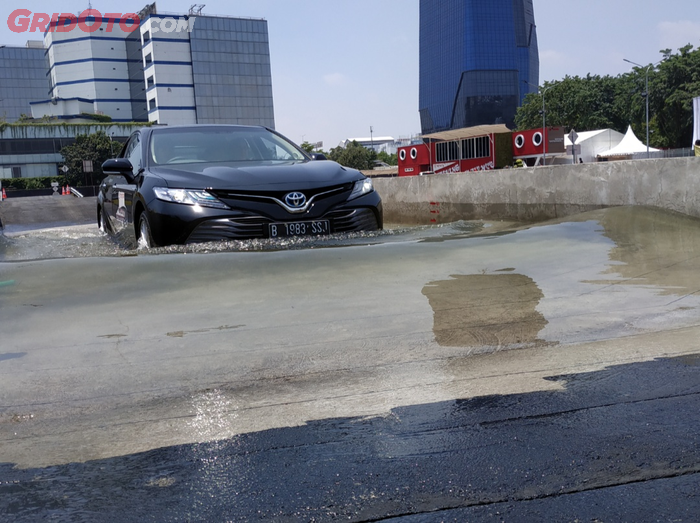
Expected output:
(536, 456)
(468, 372)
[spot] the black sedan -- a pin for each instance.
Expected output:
(201, 183)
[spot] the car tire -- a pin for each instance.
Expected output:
(102, 221)
(145, 238)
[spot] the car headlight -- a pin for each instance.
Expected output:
(189, 197)
(361, 188)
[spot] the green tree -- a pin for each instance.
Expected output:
(354, 156)
(599, 102)
(672, 88)
(308, 147)
(96, 147)
(577, 103)
(391, 159)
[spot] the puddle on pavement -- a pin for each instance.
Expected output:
(12, 355)
(654, 248)
(60, 242)
(600, 274)
(604, 274)
(87, 241)
(486, 310)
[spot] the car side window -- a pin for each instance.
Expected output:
(133, 152)
(126, 149)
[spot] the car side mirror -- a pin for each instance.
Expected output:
(318, 156)
(120, 166)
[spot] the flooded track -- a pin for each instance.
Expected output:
(470, 371)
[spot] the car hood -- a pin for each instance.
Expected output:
(291, 176)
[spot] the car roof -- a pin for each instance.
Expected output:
(204, 126)
(147, 130)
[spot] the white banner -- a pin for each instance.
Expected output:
(696, 112)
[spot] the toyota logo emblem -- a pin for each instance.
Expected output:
(295, 200)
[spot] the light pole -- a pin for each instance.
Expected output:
(646, 91)
(544, 130)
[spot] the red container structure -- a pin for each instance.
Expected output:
(479, 149)
(471, 149)
(414, 160)
(532, 144)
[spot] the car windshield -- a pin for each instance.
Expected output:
(220, 145)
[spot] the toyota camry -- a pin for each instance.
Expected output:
(202, 183)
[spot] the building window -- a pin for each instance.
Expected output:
(152, 103)
(150, 82)
(149, 59)
(17, 172)
(447, 151)
(476, 148)
(146, 36)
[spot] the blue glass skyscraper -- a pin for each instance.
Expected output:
(478, 60)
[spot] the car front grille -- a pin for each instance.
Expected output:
(255, 226)
(239, 228)
(348, 220)
(266, 196)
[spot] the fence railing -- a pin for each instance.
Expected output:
(666, 153)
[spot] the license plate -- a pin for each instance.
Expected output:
(286, 230)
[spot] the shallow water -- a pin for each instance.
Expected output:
(329, 377)
(97, 338)
(87, 241)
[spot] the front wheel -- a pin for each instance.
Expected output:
(101, 220)
(145, 240)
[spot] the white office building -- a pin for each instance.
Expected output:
(166, 68)
(170, 69)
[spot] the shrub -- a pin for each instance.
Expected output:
(43, 182)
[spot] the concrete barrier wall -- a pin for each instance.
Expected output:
(540, 193)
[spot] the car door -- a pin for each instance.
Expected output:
(123, 191)
(107, 193)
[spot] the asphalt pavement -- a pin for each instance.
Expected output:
(469, 372)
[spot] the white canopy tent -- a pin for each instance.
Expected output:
(629, 145)
(590, 143)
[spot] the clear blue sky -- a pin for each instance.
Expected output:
(340, 67)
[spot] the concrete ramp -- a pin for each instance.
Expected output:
(39, 212)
